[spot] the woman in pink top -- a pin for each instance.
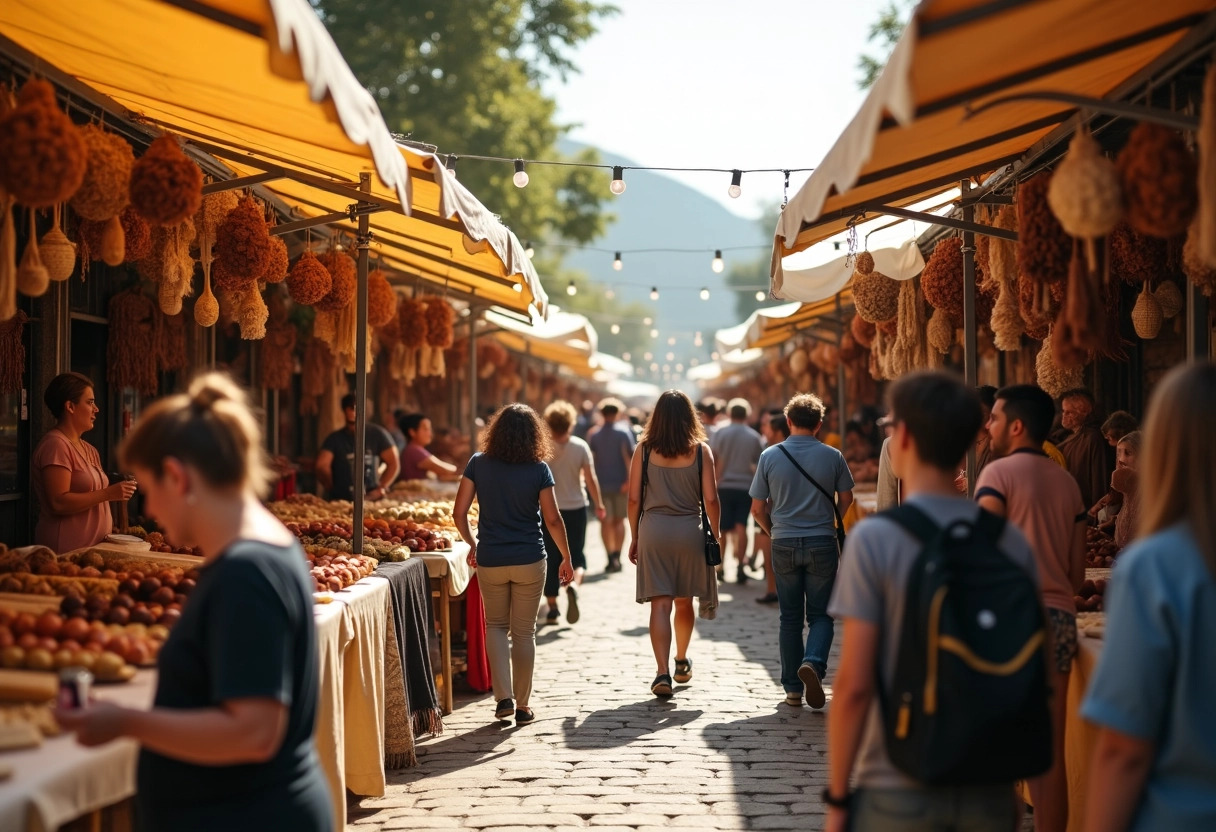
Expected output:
(416, 460)
(72, 488)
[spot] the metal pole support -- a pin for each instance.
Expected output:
(970, 346)
(364, 241)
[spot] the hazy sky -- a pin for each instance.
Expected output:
(723, 84)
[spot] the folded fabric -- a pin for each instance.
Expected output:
(478, 675)
(410, 590)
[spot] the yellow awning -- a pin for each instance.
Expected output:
(772, 332)
(911, 140)
(565, 338)
(260, 85)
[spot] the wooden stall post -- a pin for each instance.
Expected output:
(472, 370)
(970, 346)
(364, 240)
(842, 405)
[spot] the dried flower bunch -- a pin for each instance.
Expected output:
(12, 353)
(1194, 266)
(105, 189)
(940, 332)
(43, 157)
(1147, 316)
(131, 350)
(242, 247)
(212, 212)
(440, 321)
(865, 263)
(381, 299)
(863, 331)
(166, 187)
(1169, 297)
(910, 351)
(1137, 258)
(308, 281)
(942, 279)
(412, 312)
(1081, 325)
(345, 274)
(276, 271)
(1159, 178)
(136, 235)
(876, 297)
(171, 343)
(1052, 377)
(252, 314)
(1044, 248)
(1085, 194)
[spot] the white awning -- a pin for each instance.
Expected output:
(822, 282)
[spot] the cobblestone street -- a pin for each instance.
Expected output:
(603, 753)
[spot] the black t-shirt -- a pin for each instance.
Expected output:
(341, 443)
(247, 632)
(509, 522)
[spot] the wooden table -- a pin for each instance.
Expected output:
(449, 573)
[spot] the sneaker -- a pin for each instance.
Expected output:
(552, 616)
(683, 670)
(572, 614)
(661, 686)
(794, 700)
(814, 686)
(504, 710)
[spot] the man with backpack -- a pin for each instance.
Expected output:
(1023, 485)
(940, 700)
(795, 496)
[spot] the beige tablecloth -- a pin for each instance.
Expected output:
(351, 634)
(61, 780)
(452, 566)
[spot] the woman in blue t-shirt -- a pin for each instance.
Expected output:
(1154, 765)
(228, 743)
(514, 490)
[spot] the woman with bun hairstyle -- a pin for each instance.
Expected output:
(72, 488)
(228, 743)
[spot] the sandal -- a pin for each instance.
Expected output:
(504, 710)
(661, 685)
(683, 670)
(523, 716)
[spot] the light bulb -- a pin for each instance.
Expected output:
(679, 368)
(717, 265)
(704, 294)
(521, 176)
(714, 356)
(696, 342)
(571, 289)
(693, 362)
(647, 321)
(625, 356)
(671, 356)
(529, 250)
(615, 329)
(517, 287)
(618, 180)
(671, 341)
(654, 333)
(760, 296)
(609, 294)
(667, 368)
(654, 292)
(654, 367)
(616, 262)
(451, 163)
(734, 190)
(648, 356)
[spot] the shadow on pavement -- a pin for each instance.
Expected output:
(616, 727)
(749, 626)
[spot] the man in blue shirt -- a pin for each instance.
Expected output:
(612, 447)
(801, 521)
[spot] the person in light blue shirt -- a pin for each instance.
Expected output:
(1154, 766)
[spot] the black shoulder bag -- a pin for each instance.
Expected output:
(824, 492)
(713, 552)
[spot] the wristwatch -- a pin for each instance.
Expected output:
(837, 802)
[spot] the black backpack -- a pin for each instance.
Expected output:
(968, 702)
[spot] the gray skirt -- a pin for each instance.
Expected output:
(671, 561)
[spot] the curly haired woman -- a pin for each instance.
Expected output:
(514, 490)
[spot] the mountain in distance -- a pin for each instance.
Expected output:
(658, 212)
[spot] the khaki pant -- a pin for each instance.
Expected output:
(511, 595)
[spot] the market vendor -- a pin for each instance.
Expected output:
(335, 465)
(72, 488)
(417, 461)
(228, 744)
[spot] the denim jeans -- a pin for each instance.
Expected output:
(806, 573)
(958, 809)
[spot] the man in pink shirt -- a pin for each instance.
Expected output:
(1025, 486)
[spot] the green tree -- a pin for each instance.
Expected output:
(465, 76)
(590, 299)
(884, 34)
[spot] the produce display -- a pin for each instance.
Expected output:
(1100, 549)
(333, 570)
(1089, 599)
(392, 529)
(51, 642)
(158, 542)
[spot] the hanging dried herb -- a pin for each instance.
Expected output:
(105, 189)
(1044, 248)
(131, 351)
(1158, 174)
(43, 158)
(12, 353)
(166, 187)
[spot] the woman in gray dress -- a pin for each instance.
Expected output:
(668, 541)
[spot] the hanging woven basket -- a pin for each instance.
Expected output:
(1146, 315)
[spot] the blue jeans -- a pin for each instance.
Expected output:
(942, 809)
(806, 573)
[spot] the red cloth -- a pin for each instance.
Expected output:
(478, 675)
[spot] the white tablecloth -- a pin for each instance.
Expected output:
(452, 566)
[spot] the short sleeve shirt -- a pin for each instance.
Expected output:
(1044, 501)
(411, 460)
(736, 450)
(871, 586)
(509, 521)
(248, 632)
(612, 445)
(567, 465)
(798, 508)
(341, 443)
(68, 532)
(1156, 677)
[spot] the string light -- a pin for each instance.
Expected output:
(714, 356)
(618, 180)
(704, 293)
(654, 292)
(529, 250)
(671, 356)
(647, 356)
(760, 296)
(521, 176)
(697, 340)
(571, 289)
(654, 368)
(679, 368)
(736, 176)
(647, 321)
(625, 356)
(451, 162)
(615, 329)
(616, 262)
(609, 293)
(671, 341)
(717, 264)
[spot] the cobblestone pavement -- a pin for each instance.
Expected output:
(603, 753)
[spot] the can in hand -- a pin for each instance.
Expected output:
(75, 685)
